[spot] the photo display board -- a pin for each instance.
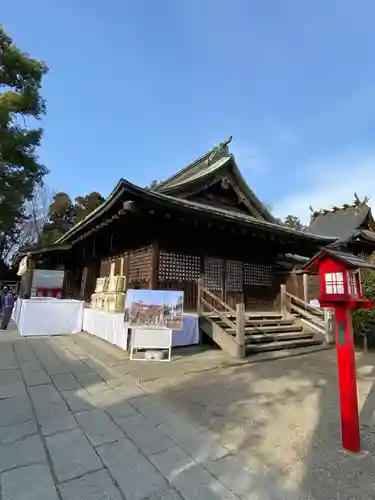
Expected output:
(152, 315)
(154, 309)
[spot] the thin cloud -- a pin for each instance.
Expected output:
(249, 157)
(327, 183)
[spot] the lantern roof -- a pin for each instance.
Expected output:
(349, 259)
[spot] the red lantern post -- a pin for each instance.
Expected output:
(340, 289)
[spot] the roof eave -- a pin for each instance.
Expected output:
(125, 186)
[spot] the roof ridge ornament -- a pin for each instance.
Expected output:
(221, 149)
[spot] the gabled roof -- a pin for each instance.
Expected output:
(349, 259)
(212, 163)
(340, 222)
(125, 190)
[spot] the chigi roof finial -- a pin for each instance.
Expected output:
(220, 149)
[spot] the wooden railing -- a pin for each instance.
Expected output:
(320, 320)
(210, 304)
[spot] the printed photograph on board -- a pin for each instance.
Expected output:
(154, 308)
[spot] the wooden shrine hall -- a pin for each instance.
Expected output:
(203, 231)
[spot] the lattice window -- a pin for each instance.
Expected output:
(234, 276)
(353, 281)
(259, 304)
(140, 265)
(179, 267)
(213, 273)
(258, 274)
(334, 283)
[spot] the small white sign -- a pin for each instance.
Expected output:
(151, 338)
(314, 303)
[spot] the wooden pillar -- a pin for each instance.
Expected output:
(240, 330)
(83, 282)
(283, 306)
(28, 279)
(305, 287)
(199, 295)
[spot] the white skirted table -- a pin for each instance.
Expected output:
(48, 316)
(111, 327)
(107, 326)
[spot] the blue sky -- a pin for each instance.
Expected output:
(153, 297)
(138, 88)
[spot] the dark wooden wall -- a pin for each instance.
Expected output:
(233, 281)
(136, 265)
(308, 287)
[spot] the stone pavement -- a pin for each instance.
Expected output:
(74, 425)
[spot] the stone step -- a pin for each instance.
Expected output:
(277, 346)
(260, 322)
(268, 329)
(266, 339)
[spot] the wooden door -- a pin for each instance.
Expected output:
(213, 277)
(233, 282)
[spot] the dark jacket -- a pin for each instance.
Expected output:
(8, 301)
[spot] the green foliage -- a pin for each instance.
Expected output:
(20, 170)
(293, 222)
(63, 214)
(364, 319)
(86, 204)
(152, 184)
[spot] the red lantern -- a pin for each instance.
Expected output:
(340, 289)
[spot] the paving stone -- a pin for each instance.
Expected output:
(72, 455)
(98, 427)
(119, 410)
(196, 444)
(11, 433)
(24, 353)
(33, 378)
(129, 390)
(171, 462)
(95, 486)
(15, 410)
(96, 388)
(80, 369)
(7, 359)
(79, 401)
(45, 395)
(27, 451)
(147, 437)
(121, 454)
(66, 382)
(242, 482)
(108, 398)
(30, 366)
(212, 491)
(92, 380)
(137, 480)
(9, 376)
(168, 494)
(140, 481)
(196, 483)
(55, 368)
(150, 409)
(33, 482)
(14, 390)
(55, 418)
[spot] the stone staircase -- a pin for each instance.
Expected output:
(264, 331)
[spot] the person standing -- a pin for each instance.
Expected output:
(8, 304)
